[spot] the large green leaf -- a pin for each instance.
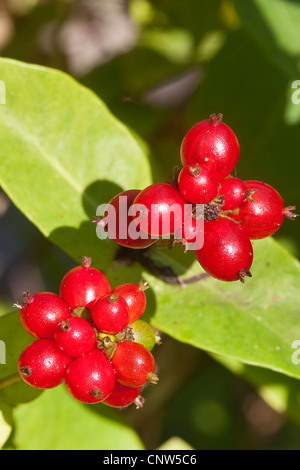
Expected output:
(62, 154)
(12, 389)
(56, 421)
(275, 26)
(255, 322)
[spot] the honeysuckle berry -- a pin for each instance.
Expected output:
(227, 252)
(40, 313)
(197, 183)
(134, 365)
(263, 211)
(143, 333)
(90, 378)
(122, 202)
(211, 143)
(75, 336)
(83, 285)
(110, 313)
(123, 396)
(135, 298)
(43, 365)
(233, 191)
(161, 210)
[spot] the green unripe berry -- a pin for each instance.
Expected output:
(143, 334)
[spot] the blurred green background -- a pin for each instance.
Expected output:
(161, 66)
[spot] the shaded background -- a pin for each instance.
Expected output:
(161, 66)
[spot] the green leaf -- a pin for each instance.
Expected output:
(62, 154)
(12, 389)
(255, 322)
(56, 421)
(279, 391)
(275, 26)
(5, 423)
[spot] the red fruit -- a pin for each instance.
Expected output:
(198, 184)
(211, 143)
(134, 297)
(227, 252)
(110, 313)
(162, 211)
(83, 285)
(134, 365)
(262, 213)
(42, 364)
(233, 190)
(191, 232)
(75, 337)
(123, 396)
(117, 223)
(90, 378)
(42, 312)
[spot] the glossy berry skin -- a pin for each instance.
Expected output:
(90, 378)
(198, 184)
(162, 211)
(43, 365)
(121, 204)
(42, 312)
(110, 313)
(211, 143)
(227, 252)
(134, 365)
(134, 297)
(122, 396)
(233, 190)
(75, 337)
(83, 285)
(262, 213)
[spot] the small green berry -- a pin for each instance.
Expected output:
(143, 334)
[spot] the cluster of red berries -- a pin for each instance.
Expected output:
(234, 212)
(91, 337)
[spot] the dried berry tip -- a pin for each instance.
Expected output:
(27, 298)
(139, 402)
(143, 285)
(86, 262)
(97, 393)
(64, 325)
(113, 298)
(26, 371)
(287, 212)
(152, 378)
(243, 273)
(215, 118)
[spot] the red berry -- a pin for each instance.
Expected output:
(110, 313)
(42, 364)
(233, 190)
(123, 396)
(262, 213)
(134, 365)
(198, 184)
(191, 232)
(117, 224)
(134, 297)
(75, 337)
(90, 378)
(227, 252)
(162, 211)
(212, 143)
(42, 312)
(83, 285)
